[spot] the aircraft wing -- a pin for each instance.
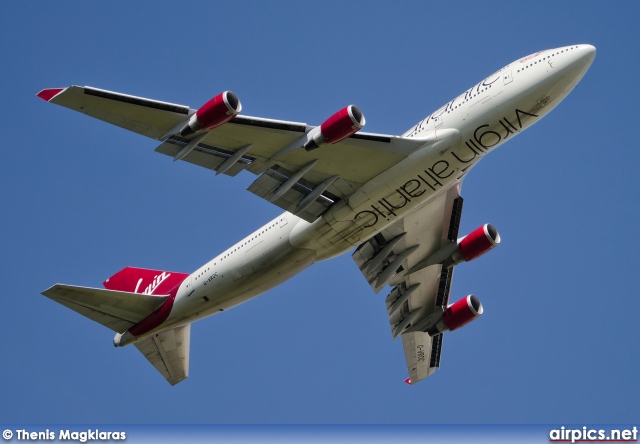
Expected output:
(303, 183)
(117, 310)
(168, 352)
(150, 118)
(421, 296)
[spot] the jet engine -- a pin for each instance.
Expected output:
(222, 108)
(460, 313)
(339, 126)
(474, 245)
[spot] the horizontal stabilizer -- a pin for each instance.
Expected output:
(116, 310)
(169, 352)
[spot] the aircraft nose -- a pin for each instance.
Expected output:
(578, 59)
(588, 52)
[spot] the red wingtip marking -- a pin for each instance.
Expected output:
(48, 94)
(408, 381)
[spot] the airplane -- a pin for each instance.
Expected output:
(394, 199)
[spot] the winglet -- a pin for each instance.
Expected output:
(408, 381)
(48, 94)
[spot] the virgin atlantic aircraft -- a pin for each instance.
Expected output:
(394, 199)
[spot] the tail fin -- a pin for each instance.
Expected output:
(144, 281)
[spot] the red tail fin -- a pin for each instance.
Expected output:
(144, 281)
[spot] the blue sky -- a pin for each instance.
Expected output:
(558, 342)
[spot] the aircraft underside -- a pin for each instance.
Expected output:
(395, 200)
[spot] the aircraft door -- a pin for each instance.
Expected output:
(507, 77)
(438, 120)
(188, 286)
(283, 220)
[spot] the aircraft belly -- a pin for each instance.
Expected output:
(279, 267)
(268, 265)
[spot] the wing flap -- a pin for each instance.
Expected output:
(344, 159)
(168, 352)
(269, 137)
(204, 155)
(270, 182)
(116, 310)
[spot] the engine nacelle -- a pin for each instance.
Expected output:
(460, 313)
(474, 245)
(222, 108)
(339, 126)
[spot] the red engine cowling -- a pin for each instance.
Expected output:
(222, 108)
(474, 245)
(339, 126)
(460, 313)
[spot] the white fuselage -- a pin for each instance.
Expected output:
(485, 116)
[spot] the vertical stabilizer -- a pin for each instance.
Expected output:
(144, 281)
